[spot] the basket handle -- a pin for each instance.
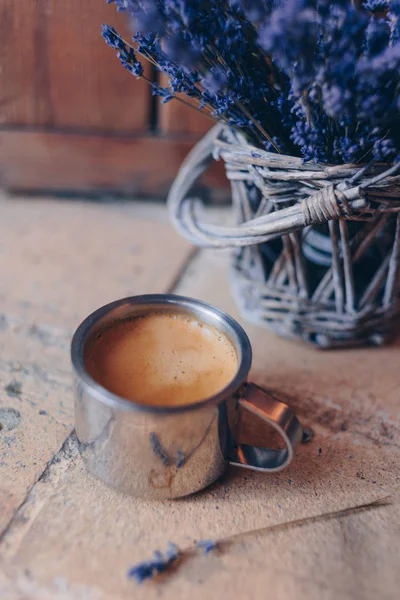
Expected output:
(180, 206)
(324, 204)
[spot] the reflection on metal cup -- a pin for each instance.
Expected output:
(172, 451)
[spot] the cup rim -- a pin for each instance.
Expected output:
(102, 394)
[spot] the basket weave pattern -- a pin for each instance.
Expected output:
(317, 247)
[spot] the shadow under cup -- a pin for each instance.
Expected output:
(170, 451)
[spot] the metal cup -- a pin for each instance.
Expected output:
(172, 451)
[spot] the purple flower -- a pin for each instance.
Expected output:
(207, 545)
(377, 37)
(384, 150)
(126, 55)
(376, 6)
(313, 78)
(336, 100)
(377, 87)
(311, 140)
(394, 19)
(160, 562)
(216, 80)
(290, 33)
(112, 38)
(254, 10)
(179, 50)
(148, 14)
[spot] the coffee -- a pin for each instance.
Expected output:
(162, 359)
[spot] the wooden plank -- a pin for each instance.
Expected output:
(58, 72)
(176, 118)
(21, 73)
(96, 164)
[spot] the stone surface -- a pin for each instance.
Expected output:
(302, 533)
(59, 261)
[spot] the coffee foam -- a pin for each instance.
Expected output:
(162, 359)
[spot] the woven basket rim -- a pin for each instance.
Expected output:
(242, 142)
(314, 194)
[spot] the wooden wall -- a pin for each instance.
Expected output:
(71, 118)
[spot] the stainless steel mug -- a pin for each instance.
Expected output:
(172, 451)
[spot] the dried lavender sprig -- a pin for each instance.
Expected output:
(160, 562)
(207, 545)
(237, 40)
(126, 55)
(320, 79)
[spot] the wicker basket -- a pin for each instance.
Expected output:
(316, 246)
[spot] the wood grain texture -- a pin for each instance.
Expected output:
(95, 164)
(20, 74)
(58, 72)
(58, 76)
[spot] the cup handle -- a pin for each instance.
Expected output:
(264, 405)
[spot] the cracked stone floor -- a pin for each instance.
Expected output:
(304, 533)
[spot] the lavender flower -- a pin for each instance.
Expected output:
(160, 562)
(254, 10)
(207, 545)
(216, 80)
(384, 149)
(394, 19)
(308, 77)
(126, 55)
(376, 6)
(377, 37)
(291, 27)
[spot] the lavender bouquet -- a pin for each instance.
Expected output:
(310, 78)
(307, 94)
